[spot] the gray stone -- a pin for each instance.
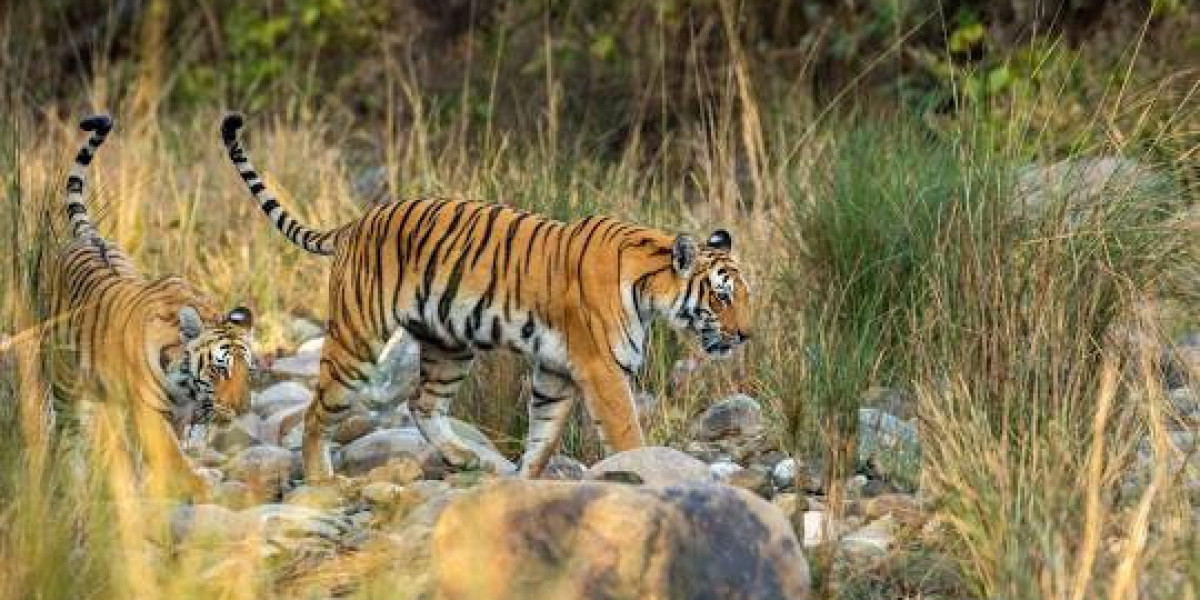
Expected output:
(400, 470)
(353, 427)
(723, 469)
(276, 428)
(280, 396)
(564, 468)
(1085, 184)
(304, 364)
(377, 448)
(301, 330)
(870, 541)
(542, 540)
(738, 416)
(396, 376)
(205, 522)
(263, 468)
(784, 474)
(888, 446)
(319, 497)
(237, 435)
(655, 465)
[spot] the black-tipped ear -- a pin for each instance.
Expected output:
(230, 126)
(720, 240)
(240, 316)
(683, 255)
(101, 123)
(190, 324)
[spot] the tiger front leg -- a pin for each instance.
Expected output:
(169, 472)
(442, 373)
(609, 401)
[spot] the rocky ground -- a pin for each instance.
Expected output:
(729, 511)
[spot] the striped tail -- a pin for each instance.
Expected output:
(317, 242)
(77, 214)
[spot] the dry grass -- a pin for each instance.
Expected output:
(1030, 413)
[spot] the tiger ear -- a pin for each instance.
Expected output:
(240, 316)
(683, 255)
(720, 240)
(190, 324)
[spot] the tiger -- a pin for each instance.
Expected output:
(460, 277)
(159, 343)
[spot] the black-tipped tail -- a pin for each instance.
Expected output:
(313, 241)
(77, 215)
(100, 123)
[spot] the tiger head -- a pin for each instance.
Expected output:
(214, 368)
(713, 300)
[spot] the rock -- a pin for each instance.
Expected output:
(263, 468)
(305, 364)
(888, 446)
(297, 531)
(654, 465)
(891, 401)
(564, 468)
(313, 345)
(238, 435)
(280, 396)
(301, 330)
(276, 428)
(541, 540)
(903, 508)
(723, 469)
(400, 470)
(855, 485)
(208, 457)
(377, 448)
(738, 416)
(784, 474)
(470, 434)
(1181, 362)
(878, 487)
(396, 375)
(371, 183)
(753, 481)
(319, 497)
(232, 494)
(870, 541)
(353, 427)
(1086, 183)
(786, 502)
(818, 528)
(207, 523)
(1184, 401)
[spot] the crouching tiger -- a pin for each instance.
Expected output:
(575, 298)
(158, 344)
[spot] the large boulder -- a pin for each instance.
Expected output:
(535, 540)
(1081, 185)
(652, 465)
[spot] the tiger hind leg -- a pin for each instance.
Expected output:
(442, 373)
(550, 402)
